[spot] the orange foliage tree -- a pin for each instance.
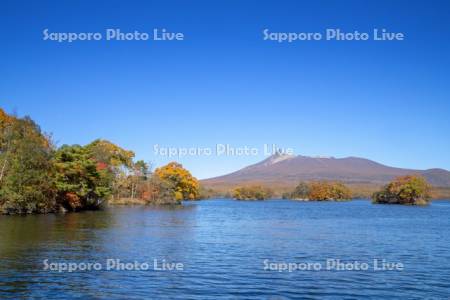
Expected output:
(410, 189)
(328, 190)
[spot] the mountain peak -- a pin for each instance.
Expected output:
(276, 158)
(290, 169)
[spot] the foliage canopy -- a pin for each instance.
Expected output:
(410, 189)
(185, 185)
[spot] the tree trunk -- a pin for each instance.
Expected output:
(2, 172)
(132, 191)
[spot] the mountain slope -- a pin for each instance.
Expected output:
(292, 169)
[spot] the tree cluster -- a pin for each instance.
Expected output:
(252, 192)
(37, 177)
(320, 191)
(410, 189)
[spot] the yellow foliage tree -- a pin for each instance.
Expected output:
(114, 156)
(5, 119)
(185, 185)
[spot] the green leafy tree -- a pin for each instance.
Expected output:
(80, 180)
(26, 169)
(116, 162)
(301, 191)
(138, 176)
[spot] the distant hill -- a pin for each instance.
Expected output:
(288, 170)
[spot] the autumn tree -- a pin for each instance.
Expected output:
(186, 186)
(328, 190)
(113, 156)
(301, 191)
(6, 140)
(26, 169)
(253, 192)
(137, 177)
(154, 190)
(115, 161)
(80, 180)
(410, 189)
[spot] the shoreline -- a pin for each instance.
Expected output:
(141, 203)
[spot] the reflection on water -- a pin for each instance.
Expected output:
(223, 243)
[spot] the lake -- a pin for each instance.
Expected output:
(230, 249)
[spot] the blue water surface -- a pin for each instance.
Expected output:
(225, 248)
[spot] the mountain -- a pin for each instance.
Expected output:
(287, 170)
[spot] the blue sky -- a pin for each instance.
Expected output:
(387, 101)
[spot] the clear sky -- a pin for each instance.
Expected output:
(386, 101)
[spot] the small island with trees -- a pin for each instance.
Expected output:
(320, 191)
(252, 192)
(305, 191)
(408, 190)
